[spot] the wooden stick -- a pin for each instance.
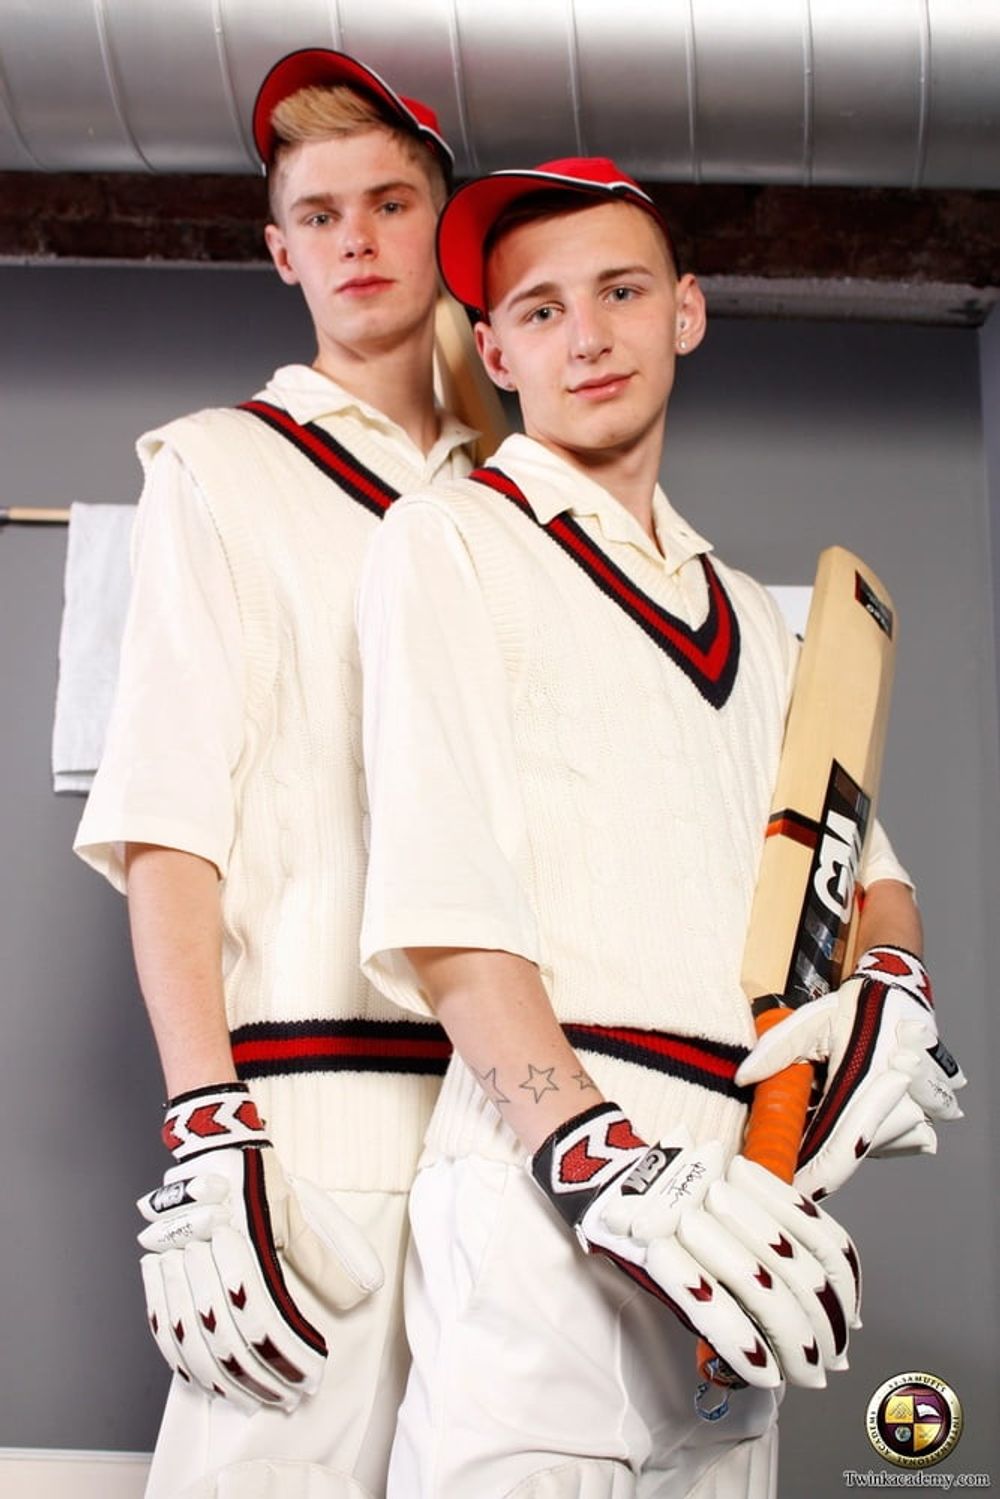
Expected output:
(26, 515)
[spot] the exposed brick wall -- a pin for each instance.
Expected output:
(784, 234)
(125, 216)
(878, 233)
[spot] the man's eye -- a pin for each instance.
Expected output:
(542, 315)
(622, 293)
(392, 207)
(318, 220)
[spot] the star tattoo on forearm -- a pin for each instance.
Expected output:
(491, 1087)
(539, 1081)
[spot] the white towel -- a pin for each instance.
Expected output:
(96, 597)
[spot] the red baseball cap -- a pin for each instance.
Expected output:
(320, 67)
(471, 212)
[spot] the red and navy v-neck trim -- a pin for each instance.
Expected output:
(708, 656)
(329, 456)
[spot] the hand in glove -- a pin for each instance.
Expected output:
(889, 1079)
(219, 1230)
(770, 1280)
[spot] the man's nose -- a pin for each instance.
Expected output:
(357, 239)
(589, 333)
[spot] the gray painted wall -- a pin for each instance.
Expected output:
(989, 363)
(784, 437)
(88, 360)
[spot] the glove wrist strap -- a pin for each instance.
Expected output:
(897, 966)
(213, 1118)
(582, 1156)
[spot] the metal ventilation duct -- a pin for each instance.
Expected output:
(850, 92)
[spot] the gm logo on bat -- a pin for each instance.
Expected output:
(914, 1420)
(837, 864)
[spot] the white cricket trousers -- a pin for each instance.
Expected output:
(335, 1445)
(542, 1373)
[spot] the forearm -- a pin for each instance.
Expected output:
(498, 1016)
(175, 916)
(890, 917)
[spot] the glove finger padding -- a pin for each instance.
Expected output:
(887, 1076)
(783, 1286)
(181, 1332)
(805, 1035)
(640, 1234)
(935, 1079)
(903, 1131)
(159, 1316)
(714, 1251)
(870, 1071)
(765, 1297)
(684, 1283)
(208, 1348)
(835, 1143)
(183, 1209)
(920, 1140)
(219, 1304)
(825, 1239)
(254, 1330)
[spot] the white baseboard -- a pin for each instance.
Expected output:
(41, 1473)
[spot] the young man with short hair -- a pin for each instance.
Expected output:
(573, 715)
(230, 807)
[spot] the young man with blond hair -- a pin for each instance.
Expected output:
(573, 714)
(230, 808)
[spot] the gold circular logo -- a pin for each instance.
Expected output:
(914, 1420)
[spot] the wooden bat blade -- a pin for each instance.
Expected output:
(822, 809)
(465, 387)
(824, 797)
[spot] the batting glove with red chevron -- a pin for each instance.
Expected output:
(221, 1229)
(770, 1280)
(888, 1078)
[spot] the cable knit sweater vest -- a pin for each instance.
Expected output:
(645, 806)
(292, 897)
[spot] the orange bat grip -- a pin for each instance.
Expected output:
(773, 1135)
(778, 1112)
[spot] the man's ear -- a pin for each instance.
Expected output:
(692, 314)
(275, 240)
(491, 354)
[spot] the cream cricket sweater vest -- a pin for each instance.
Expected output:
(645, 802)
(346, 1084)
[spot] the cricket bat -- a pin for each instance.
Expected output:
(804, 913)
(465, 387)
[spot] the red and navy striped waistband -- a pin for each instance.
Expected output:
(270, 1048)
(710, 1064)
(273, 1048)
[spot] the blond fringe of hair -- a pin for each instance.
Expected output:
(317, 113)
(322, 114)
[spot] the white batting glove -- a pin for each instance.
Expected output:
(218, 1304)
(768, 1278)
(889, 1079)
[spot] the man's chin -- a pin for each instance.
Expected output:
(375, 329)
